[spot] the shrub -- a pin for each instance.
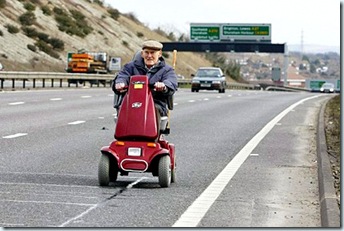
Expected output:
(125, 43)
(27, 19)
(139, 34)
(2, 3)
(99, 2)
(32, 47)
(132, 17)
(77, 15)
(56, 43)
(30, 32)
(1, 33)
(43, 46)
(29, 6)
(43, 36)
(46, 10)
(73, 27)
(114, 13)
(12, 29)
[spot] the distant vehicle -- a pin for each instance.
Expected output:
(327, 88)
(179, 76)
(87, 62)
(208, 78)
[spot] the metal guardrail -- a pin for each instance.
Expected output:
(15, 76)
(104, 79)
(229, 85)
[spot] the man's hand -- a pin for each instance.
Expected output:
(120, 87)
(160, 86)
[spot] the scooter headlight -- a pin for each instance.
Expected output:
(134, 151)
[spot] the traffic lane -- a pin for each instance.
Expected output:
(277, 185)
(47, 114)
(165, 214)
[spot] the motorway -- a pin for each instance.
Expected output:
(260, 145)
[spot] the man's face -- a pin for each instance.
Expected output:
(150, 56)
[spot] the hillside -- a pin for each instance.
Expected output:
(118, 36)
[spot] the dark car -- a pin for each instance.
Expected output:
(208, 78)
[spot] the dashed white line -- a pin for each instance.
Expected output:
(86, 96)
(14, 135)
(96, 205)
(16, 103)
(55, 99)
(77, 122)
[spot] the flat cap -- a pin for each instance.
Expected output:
(152, 44)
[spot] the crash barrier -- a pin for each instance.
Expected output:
(230, 85)
(61, 77)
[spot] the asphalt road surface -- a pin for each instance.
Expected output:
(244, 159)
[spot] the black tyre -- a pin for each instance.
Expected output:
(104, 170)
(164, 171)
(173, 175)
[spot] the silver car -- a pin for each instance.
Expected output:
(327, 87)
(209, 78)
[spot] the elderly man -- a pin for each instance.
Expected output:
(160, 74)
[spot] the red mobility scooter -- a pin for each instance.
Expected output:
(139, 144)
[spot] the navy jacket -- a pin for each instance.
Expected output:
(161, 72)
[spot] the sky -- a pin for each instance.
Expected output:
(292, 21)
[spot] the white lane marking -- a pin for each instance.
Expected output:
(191, 101)
(86, 96)
(229, 95)
(47, 202)
(77, 122)
(219, 97)
(50, 185)
(55, 99)
(196, 211)
(206, 99)
(14, 135)
(101, 118)
(254, 154)
(96, 205)
(16, 103)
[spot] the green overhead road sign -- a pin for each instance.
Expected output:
(205, 33)
(246, 32)
(224, 32)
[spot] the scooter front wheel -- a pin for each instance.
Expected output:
(164, 171)
(104, 170)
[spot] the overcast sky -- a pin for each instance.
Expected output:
(316, 22)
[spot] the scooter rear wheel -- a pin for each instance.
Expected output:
(164, 171)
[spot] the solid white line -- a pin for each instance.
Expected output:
(14, 135)
(194, 214)
(77, 122)
(16, 103)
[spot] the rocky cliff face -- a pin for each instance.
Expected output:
(120, 37)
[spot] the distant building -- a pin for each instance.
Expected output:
(294, 78)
